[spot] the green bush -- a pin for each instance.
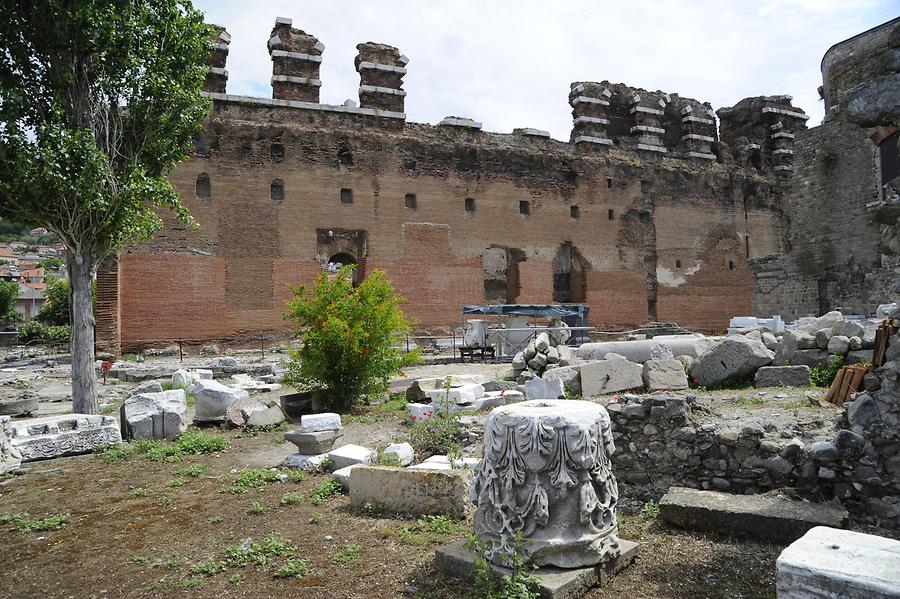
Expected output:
(822, 376)
(31, 331)
(55, 310)
(9, 291)
(519, 583)
(59, 334)
(350, 337)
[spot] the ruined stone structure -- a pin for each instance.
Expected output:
(841, 252)
(644, 214)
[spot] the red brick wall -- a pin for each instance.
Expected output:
(229, 276)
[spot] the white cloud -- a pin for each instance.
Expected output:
(509, 63)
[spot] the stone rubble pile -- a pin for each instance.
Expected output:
(464, 395)
(542, 354)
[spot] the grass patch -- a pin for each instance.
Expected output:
(326, 490)
(26, 524)
(140, 559)
(216, 520)
(293, 568)
(430, 529)
(749, 401)
(316, 518)
(141, 492)
(192, 583)
(194, 470)
(175, 482)
(291, 498)
(392, 409)
(252, 478)
(256, 508)
(649, 511)
(347, 557)
(191, 442)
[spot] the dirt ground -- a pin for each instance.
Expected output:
(138, 528)
(134, 534)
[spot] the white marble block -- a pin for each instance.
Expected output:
(57, 436)
(830, 562)
(326, 421)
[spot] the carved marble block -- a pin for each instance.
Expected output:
(546, 478)
(10, 458)
(57, 436)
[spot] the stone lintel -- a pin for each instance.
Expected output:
(783, 134)
(296, 56)
(535, 132)
(300, 80)
(375, 89)
(702, 155)
(453, 121)
(646, 110)
(217, 71)
(646, 129)
(225, 37)
(555, 583)
(698, 137)
(590, 139)
(381, 67)
(788, 113)
(590, 119)
(650, 148)
(697, 119)
(589, 100)
(389, 114)
(283, 21)
(769, 518)
(782, 151)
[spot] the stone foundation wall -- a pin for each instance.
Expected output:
(665, 439)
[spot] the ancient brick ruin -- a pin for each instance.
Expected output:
(649, 212)
(842, 249)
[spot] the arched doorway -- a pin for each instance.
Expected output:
(338, 261)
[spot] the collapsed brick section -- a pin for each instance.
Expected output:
(760, 132)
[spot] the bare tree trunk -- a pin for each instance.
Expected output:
(84, 379)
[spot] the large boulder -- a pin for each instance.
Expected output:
(269, 416)
(26, 403)
(147, 387)
(735, 357)
(239, 411)
(848, 328)
(811, 357)
(609, 376)
(544, 388)
(839, 345)
(10, 458)
(154, 415)
(211, 400)
(182, 379)
(569, 375)
(660, 375)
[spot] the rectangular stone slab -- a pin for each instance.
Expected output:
(828, 562)
(58, 436)
(412, 491)
(555, 583)
(766, 518)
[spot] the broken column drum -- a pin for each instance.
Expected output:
(546, 478)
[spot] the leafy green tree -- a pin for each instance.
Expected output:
(55, 310)
(349, 336)
(98, 102)
(9, 292)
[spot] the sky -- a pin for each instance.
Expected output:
(509, 63)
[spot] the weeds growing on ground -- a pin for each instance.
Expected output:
(650, 510)
(291, 498)
(191, 442)
(326, 490)
(347, 557)
(251, 479)
(518, 584)
(194, 470)
(26, 524)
